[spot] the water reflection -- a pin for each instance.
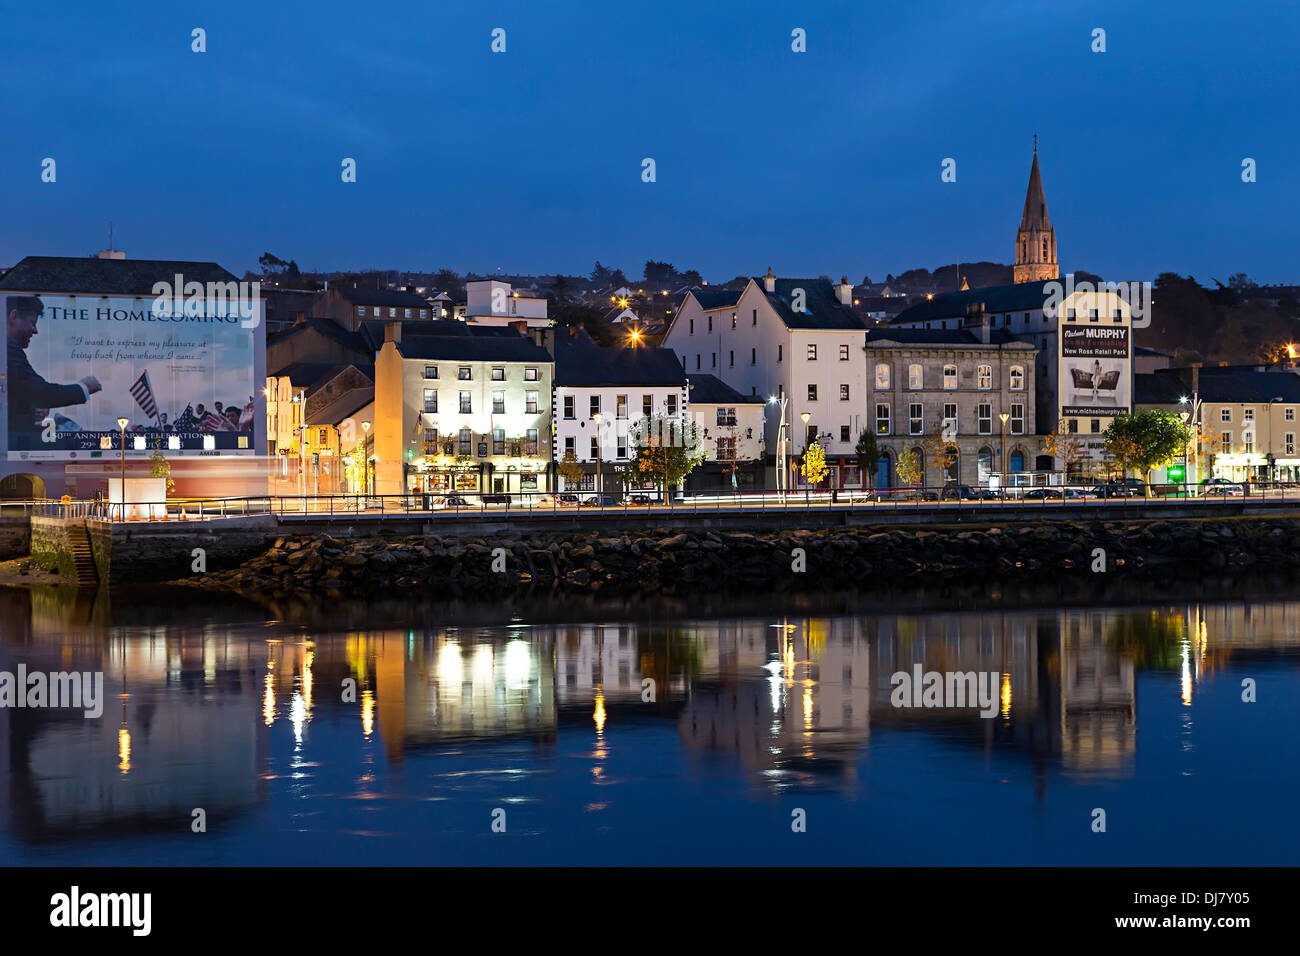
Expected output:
(220, 716)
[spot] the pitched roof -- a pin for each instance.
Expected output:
(961, 338)
(717, 298)
(1220, 386)
(473, 348)
(328, 328)
(393, 297)
(822, 307)
(708, 389)
(310, 374)
(345, 406)
(1035, 215)
(372, 330)
(1021, 297)
(580, 361)
(135, 277)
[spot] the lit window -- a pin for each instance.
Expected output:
(914, 377)
(882, 376)
(950, 376)
(1017, 378)
(915, 418)
(984, 376)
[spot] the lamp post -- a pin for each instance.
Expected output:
(804, 416)
(780, 444)
(121, 490)
(1003, 416)
(365, 458)
(1193, 418)
(597, 417)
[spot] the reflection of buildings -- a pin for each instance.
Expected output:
(1098, 695)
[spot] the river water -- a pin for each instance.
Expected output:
(688, 731)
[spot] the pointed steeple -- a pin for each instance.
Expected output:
(1035, 215)
(1036, 240)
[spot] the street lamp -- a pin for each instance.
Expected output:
(804, 416)
(597, 417)
(1004, 416)
(780, 444)
(121, 491)
(365, 457)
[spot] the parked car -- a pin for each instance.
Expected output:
(442, 502)
(641, 500)
(599, 501)
(1221, 487)
(1042, 494)
(567, 500)
(956, 492)
(1122, 488)
(990, 494)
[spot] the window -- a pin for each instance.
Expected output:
(466, 406)
(1225, 443)
(569, 444)
(1017, 378)
(950, 416)
(984, 418)
(1072, 426)
(812, 393)
(430, 401)
(594, 405)
(530, 375)
(779, 350)
(710, 323)
(498, 374)
(1044, 248)
(713, 360)
(984, 377)
(1290, 414)
(530, 442)
(692, 328)
(950, 376)
(726, 449)
(407, 315)
(1289, 443)
(753, 356)
(431, 371)
(647, 404)
(812, 353)
(463, 373)
(844, 353)
(431, 441)
(530, 402)
(811, 437)
(672, 405)
(733, 320)
(498, 403)
(697, 361)
(1096, 426)
(620, 406)
(620, 450)
(882, 376)
(732, 358)
(726, 416)
(844, 433)
(595, 447)
(844, 393)
(498, 441)
(424, 313)
(882, 419)
(466, 441)
(915, 418)
(915, 378)
(1248, 441)
(1017, 418)
(1248, 415)
(568, 407)
(754, 318)
(1225, 414)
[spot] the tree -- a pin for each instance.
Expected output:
(659, 275)
(663, 449)
(160, 467)
(911, 466)
(868, 453)
(570, 470)
(943, 451)
(813, 467)
(1146, 440)
(1064, 445)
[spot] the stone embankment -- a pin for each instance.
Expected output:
(672, 562)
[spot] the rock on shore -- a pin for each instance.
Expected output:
(677, 562)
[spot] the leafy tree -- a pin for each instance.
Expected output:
(813, 467)
(663, 449)
(1063, 445)
(691, 277)
(942, 451)
(659, 275)
(1146, 440)
(570, 470)
(868, 453)
(911, 466)
(160, 467)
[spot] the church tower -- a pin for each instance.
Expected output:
(1036, 240)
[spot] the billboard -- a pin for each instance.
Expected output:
(182, 375)
(1096, 372)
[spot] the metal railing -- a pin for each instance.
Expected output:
(437, 507)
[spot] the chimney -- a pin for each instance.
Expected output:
(393, 333)
(845, 291)
(976, 316)
(769, 280)
(521, 327)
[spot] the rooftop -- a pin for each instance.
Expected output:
(134, 277)
(822, 307)
(580, 361)
(708, 389)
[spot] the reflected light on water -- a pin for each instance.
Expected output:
(450, 669)
(367, 713)
(599, 715)
(1006, 695)
(518, 665)
(124, 749)
(1187, 673)
(268, 695)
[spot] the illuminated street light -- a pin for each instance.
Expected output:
(121, 424)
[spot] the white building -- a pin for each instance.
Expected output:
(793, 338)
(495, 302)
(730, 426)
(601, 395)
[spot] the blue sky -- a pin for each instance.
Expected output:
(820, 162)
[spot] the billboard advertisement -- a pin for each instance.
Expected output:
(1096, 372)
(182, 376)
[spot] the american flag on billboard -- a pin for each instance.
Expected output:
(143, 395)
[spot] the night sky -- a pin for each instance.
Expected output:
(820, 162)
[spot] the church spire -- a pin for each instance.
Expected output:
(1036, 239)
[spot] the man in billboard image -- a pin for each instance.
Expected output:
(31, 397)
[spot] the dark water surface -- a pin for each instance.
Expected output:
(1126, 697)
